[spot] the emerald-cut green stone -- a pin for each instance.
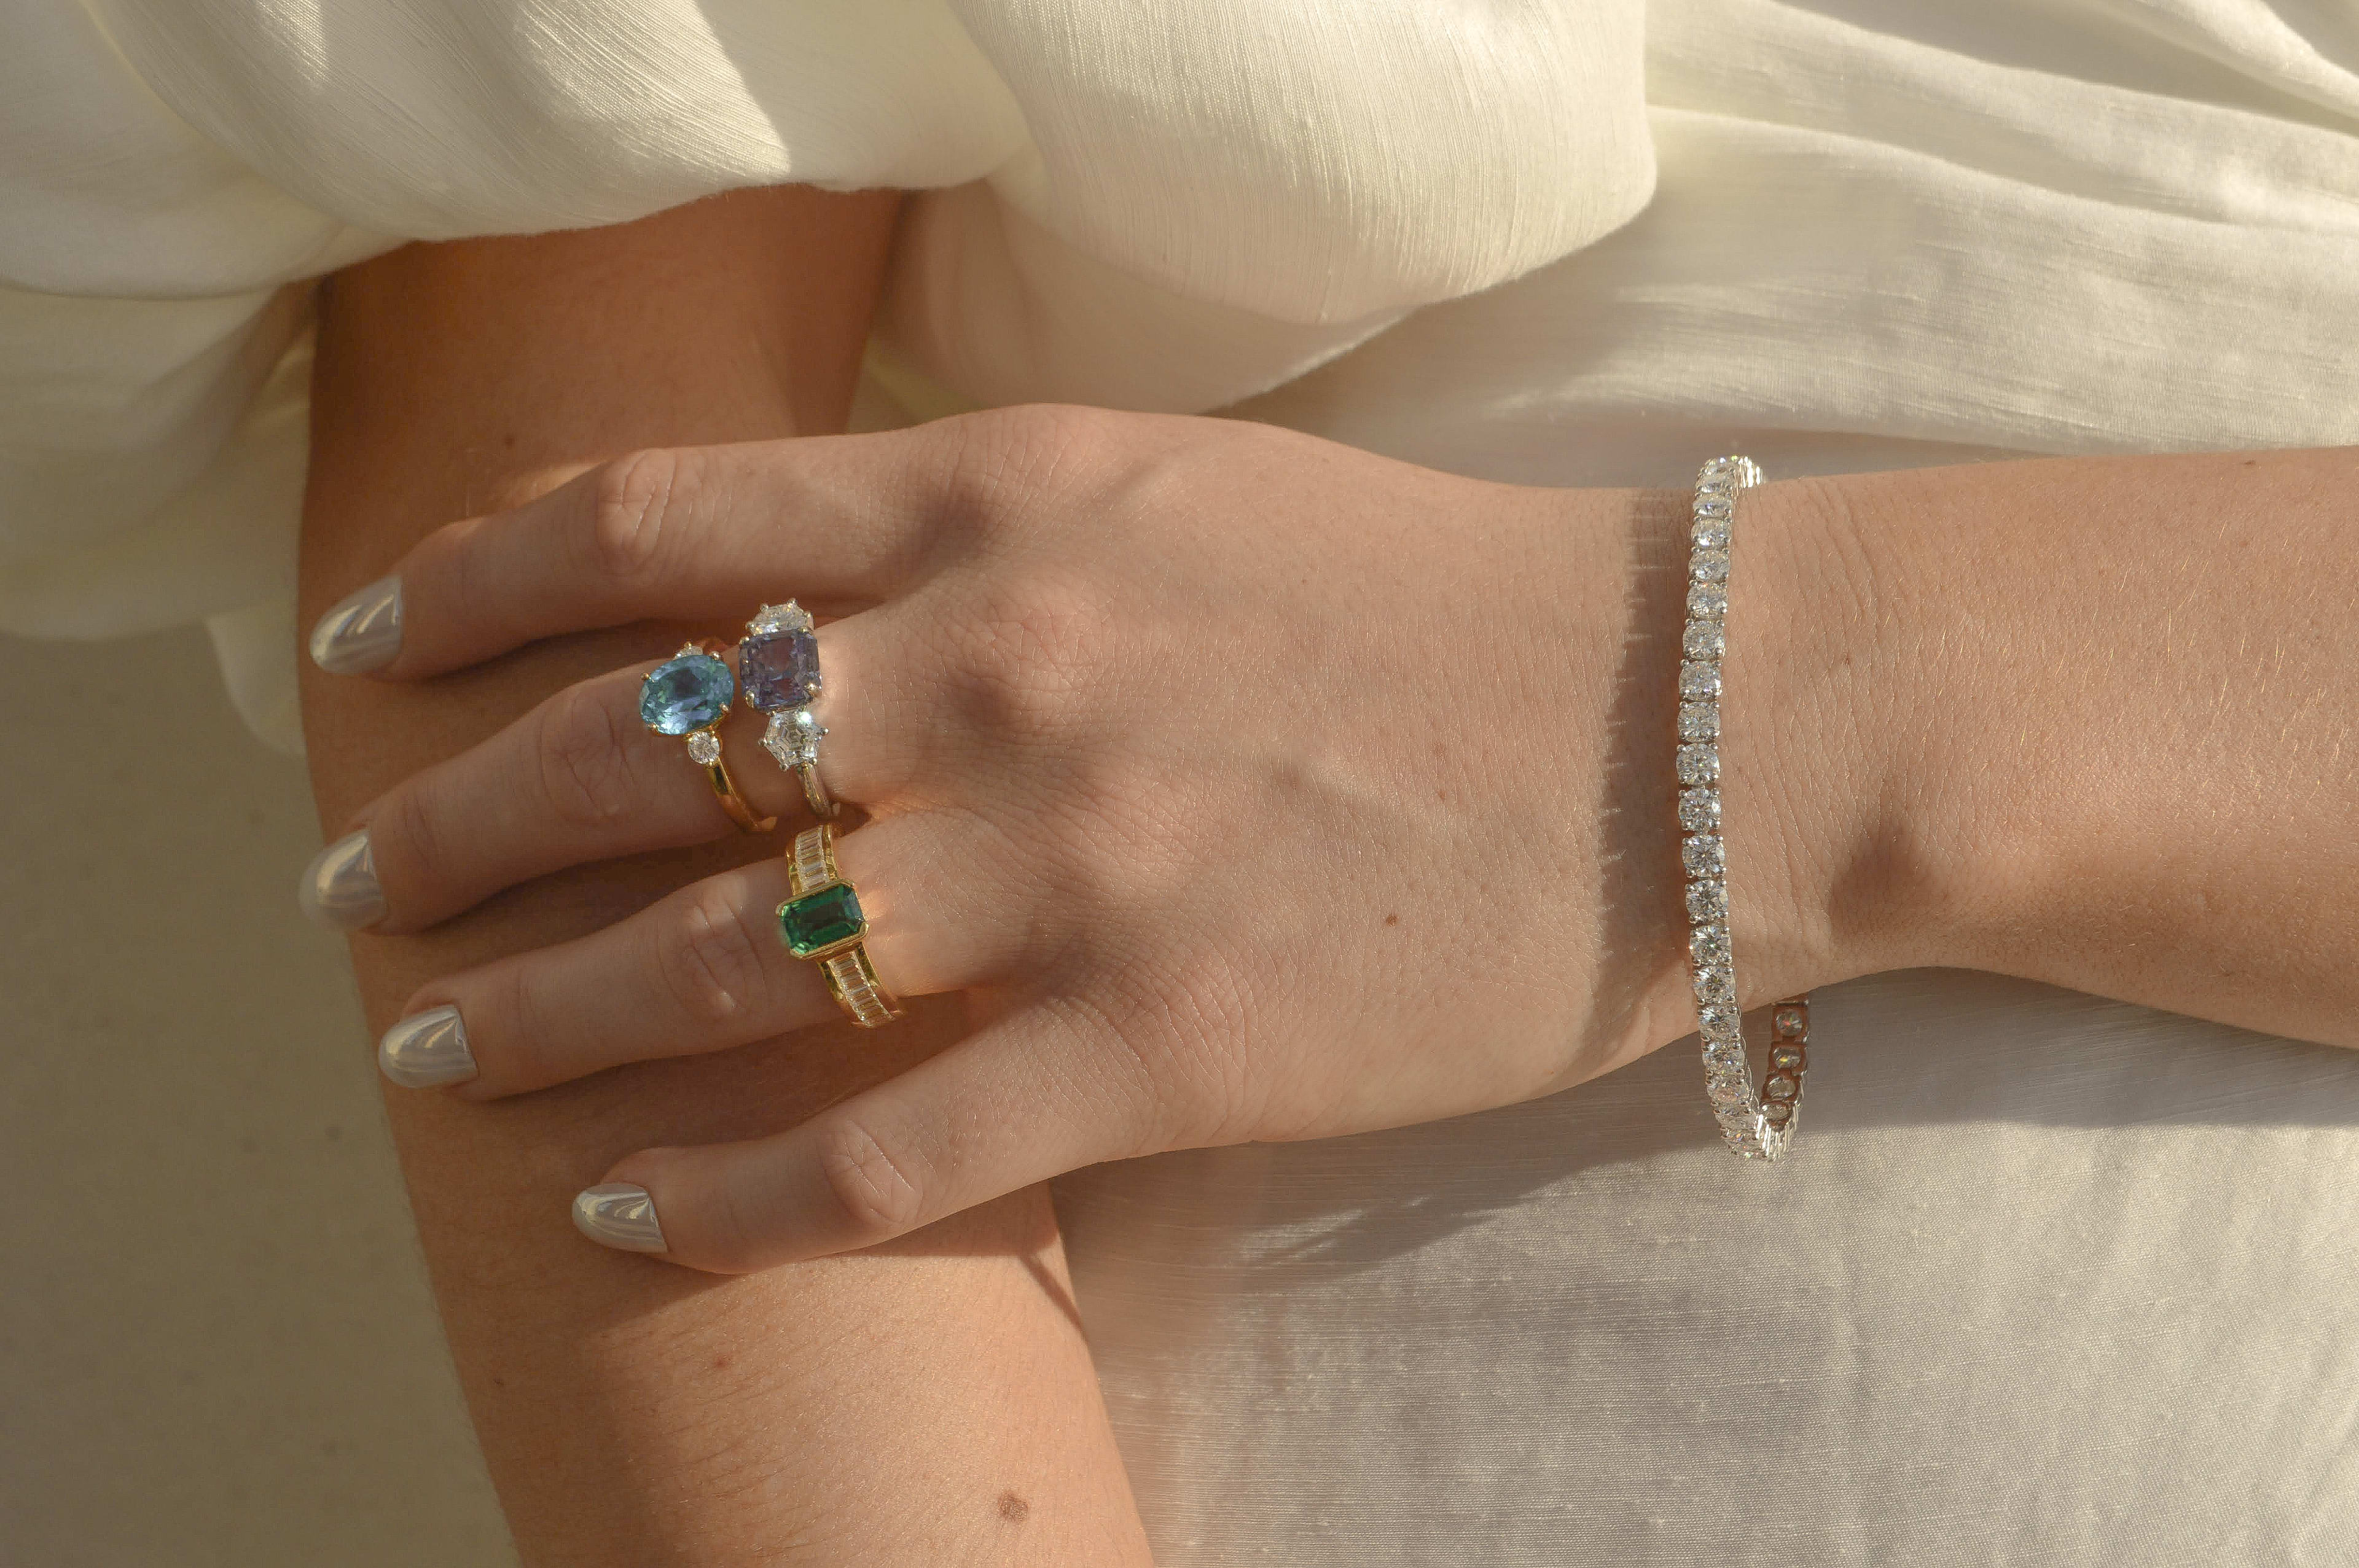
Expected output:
(818, 921)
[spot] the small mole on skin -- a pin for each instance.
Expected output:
(1441, 794)
(1013, 1508)
(1392, 920)
(720, 1362)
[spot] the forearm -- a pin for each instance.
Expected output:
(929, 1402)
(2090, 720)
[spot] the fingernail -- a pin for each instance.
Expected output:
(426, 1049)
(360, 634)
(620, 1216)
(338, 887)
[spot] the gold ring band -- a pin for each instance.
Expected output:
(725, 789)
(822, 920)
(688, 696)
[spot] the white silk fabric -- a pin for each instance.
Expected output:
(2047, 1280)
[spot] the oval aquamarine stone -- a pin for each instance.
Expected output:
(689, 693)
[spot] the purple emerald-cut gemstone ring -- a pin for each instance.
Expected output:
(777, 664)
(778, 669)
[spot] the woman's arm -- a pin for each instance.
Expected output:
(928, 1402)
(2085, 720)
(1275, 790)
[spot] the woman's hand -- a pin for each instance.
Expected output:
(1256, 787)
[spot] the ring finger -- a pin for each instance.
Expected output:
(705, 970)
(578, 779)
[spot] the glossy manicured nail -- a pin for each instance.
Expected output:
(426, 1049)
(620, 1216)
(338, 887)
(362, 633)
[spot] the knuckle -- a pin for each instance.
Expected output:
(407, 837)
(1007, 464)
(1178, 1056)
(1126, 1071)
(509, 1029)
(633, 500)
(708, 959)
(1206, 1011)
(874, 1190)
(586, 761)
(1027, 651)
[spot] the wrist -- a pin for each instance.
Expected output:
(1847, 841)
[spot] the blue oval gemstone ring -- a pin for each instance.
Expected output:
(688, 693)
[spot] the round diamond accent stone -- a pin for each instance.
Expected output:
(691, 692)
(1704, 640)
(1708, 601)
(1699, 764)
(1699, 681)
(1781, 1085)
(1718, 1023)
(1700, 810)
(1709, 566)
(1707, 901)
(1698, 721)
(704, 747)
(1788, 1020)
(1709, 944)
(1715, 985)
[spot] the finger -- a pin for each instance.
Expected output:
(685, 534)
(1044, 1091)
(580, 778)
(704, 969)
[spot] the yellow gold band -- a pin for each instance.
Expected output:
(823, 920)
(725, 789)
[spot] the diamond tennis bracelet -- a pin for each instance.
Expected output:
(1756, 1127)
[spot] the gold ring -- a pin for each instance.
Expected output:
(821, 921)
(689, 695)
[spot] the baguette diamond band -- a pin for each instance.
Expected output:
(1757, 1126)
(823, 920)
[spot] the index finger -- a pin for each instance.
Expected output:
(678, 534)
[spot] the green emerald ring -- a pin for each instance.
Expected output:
(823, 920)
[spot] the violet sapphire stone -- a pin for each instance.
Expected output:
(687, 694)
(780, 669)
